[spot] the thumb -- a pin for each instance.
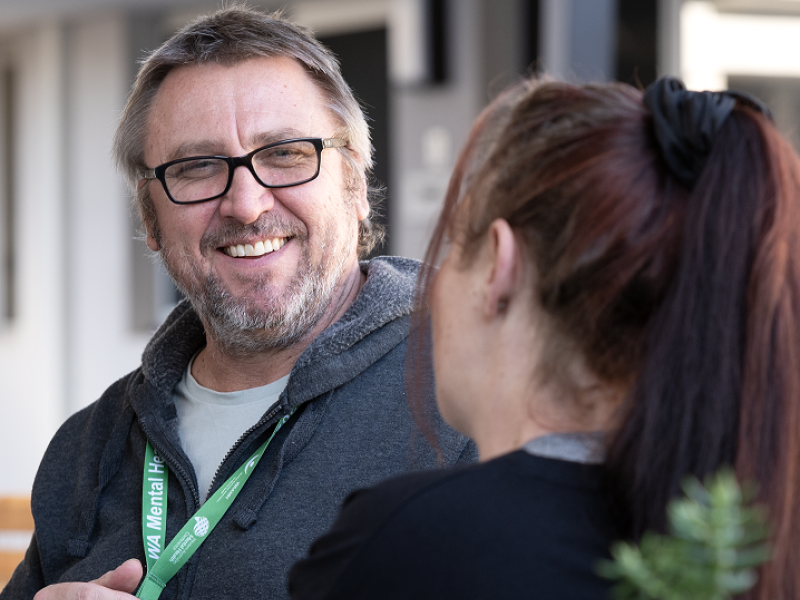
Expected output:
(124, 578)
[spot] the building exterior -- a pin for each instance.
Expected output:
(79, 294)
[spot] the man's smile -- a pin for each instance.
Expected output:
(260, 248)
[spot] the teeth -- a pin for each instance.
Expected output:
(258, 249)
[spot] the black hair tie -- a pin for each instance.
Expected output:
(686, 123)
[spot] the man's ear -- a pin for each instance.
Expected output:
(354, 171)
(151, 241)
(505, 268)
(362, 203)
(149, 226)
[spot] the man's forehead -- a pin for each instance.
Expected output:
(258, 100)
(238, 86)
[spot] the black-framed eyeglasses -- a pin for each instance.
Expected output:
(277, 165)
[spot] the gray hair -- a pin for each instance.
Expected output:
(230, 36)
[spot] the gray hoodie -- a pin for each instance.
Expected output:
(352, 428)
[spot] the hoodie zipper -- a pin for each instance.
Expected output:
(171, 460)
(261, 423)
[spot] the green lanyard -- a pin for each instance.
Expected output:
(162, 564)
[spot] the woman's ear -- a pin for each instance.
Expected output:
(505, 268)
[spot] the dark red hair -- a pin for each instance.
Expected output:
(690, 300)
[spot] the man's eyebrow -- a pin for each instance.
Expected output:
(214, 148)
(270, 137)
(195, 148)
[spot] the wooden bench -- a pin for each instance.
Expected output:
(16, 526)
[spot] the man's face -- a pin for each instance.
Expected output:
(273, 299)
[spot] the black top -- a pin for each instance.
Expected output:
(519, 526)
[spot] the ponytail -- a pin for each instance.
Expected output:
(720, 381)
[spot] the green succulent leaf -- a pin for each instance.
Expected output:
(716, 540)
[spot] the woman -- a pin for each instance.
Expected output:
(618, 307)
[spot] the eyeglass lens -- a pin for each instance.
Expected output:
(282, 165)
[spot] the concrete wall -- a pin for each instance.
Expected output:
(429, 125)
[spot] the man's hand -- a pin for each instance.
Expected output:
(118, 584)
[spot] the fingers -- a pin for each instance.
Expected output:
(124, 578)
(114, 585)
(80, 591)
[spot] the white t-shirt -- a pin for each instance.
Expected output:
(210, 423)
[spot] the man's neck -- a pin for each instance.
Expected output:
(221, 371)
(225, 373)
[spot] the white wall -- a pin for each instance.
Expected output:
(101, 345)
(72, 335)
(716, 44)
(32, 375)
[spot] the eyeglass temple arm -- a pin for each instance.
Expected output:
(333, 143)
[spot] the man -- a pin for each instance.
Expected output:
(284, 334)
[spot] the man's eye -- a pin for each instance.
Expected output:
(287, 155)
(196, 169)
(282, 154)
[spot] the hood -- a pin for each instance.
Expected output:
(345, 349)
(337, 355)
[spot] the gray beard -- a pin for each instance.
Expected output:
(243, 326)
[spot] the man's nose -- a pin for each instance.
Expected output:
(247, 199)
